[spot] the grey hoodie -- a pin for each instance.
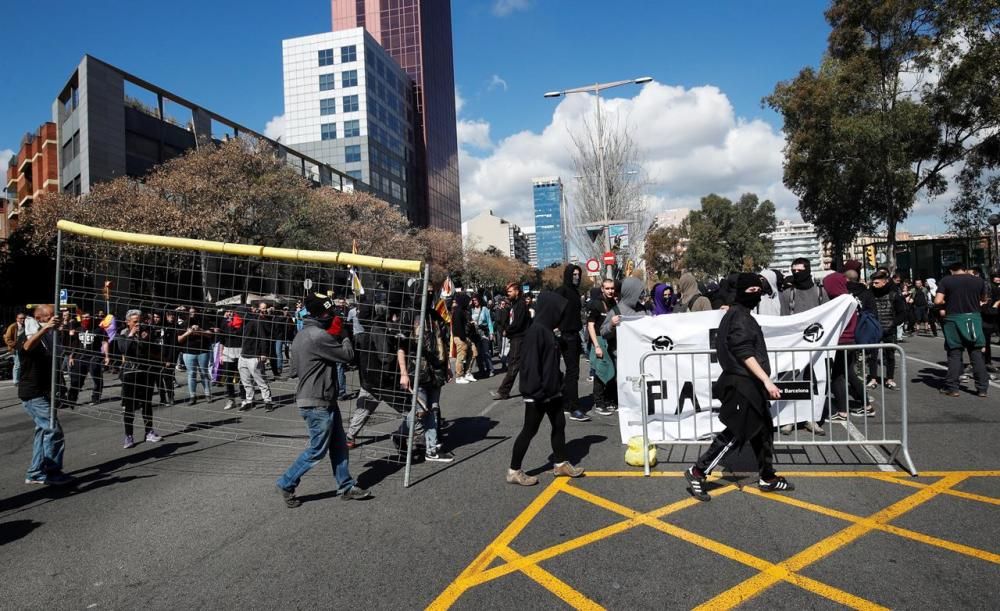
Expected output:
(316, 356)
(631, 292)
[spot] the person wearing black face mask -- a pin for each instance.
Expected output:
(745, 389)
(800, 293)
(569, 341)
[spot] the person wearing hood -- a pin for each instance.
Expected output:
(317, 352)
(518, 322)
(663, 299)
(628, 305)
(690, 298)
(891, 311)
(745, 389)
(464, 351)
(844, 379)
(569, 341)
(541, 386)
(770, 301)
(801, 293)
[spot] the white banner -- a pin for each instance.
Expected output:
(679, 393)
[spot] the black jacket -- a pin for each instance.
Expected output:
(571, 321)
(890, 308)
(460, 317)
(256, 337)
(541, 377)
(740, 337)
(861, 292)
(519, 320)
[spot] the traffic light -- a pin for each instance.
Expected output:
(870, 255)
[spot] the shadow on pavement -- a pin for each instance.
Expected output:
(16, 529)
(92, 478)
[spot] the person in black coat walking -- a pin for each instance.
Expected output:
(569, 341)
(517, 323)
(745, 388)
(541, 386)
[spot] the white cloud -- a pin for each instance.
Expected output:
(5, 156)
(691, 142)
(459, 101)
(502, 8)
(275, 128)
(474, 133)
(497, 83)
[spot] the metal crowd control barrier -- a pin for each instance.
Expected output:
(859, 428)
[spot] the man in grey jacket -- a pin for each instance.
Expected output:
(629, 306)
(318, 347)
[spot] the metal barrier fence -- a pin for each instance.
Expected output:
(816, 373)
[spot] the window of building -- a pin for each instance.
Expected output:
(325, 82)
(350, 103)
(352, 153)
(328, 131)
(352, 129)
(326, 57)
(328, 106)
(348, 54)
(355, 174)
(349, 78)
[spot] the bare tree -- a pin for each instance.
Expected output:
(623, 192)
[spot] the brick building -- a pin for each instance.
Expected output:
(34, 170)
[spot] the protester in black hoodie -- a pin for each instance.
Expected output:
(745, 389)
(891, 311)
(541, 386)
(463, 344)
(569, 341)
(517, 323)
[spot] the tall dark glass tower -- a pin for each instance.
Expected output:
(417, 34)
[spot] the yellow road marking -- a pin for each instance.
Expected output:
(896, 530)
(730, 552)
(757, 584)
(957, 493)
(550, 582)
(456, 589)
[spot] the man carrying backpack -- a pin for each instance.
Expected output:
(844, 381)
(691, 299)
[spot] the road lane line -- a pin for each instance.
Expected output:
(881, 461)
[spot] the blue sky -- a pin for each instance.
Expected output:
(227, 56)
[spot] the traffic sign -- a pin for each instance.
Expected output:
(609, 258)
(593, 265)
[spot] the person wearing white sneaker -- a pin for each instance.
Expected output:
(460, 324)
(541, 387)
(745, 389)
(140, 352)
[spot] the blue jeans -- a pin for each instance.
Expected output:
(197, 362)
(428, 401)
(279, 354)
(49, 444)
(326, 434)
(341, 381)
(17, 368)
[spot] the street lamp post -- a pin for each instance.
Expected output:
(994, 220)
(596, 89)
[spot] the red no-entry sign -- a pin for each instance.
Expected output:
(609, 258)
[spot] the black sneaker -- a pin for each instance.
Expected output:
(499, 397)
(269, 407)
(291, 501)
(777, 484)
(696, 485)
(192, 400)
(355, 493)
(439, 456)
(579, 416)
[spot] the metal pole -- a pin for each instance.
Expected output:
(55, 335)
(603, 184)
(416, 377)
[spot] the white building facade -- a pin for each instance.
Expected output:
(488, 230)
(349, 104)
(795, 240)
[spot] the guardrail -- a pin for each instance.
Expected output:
(805, 373)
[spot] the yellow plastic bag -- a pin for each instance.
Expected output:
(633, 455)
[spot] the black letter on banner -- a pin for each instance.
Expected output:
(653, 396)
(712, 334)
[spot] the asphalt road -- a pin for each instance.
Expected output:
(194, 521)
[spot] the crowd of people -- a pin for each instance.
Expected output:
(538, 343)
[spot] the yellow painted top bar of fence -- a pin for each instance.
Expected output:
(248, 250)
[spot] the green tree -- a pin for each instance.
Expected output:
(664, 251)
(906, 94)
(724, 236)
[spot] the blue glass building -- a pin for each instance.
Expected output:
(550, 246)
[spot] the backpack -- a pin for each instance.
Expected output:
(869, 329)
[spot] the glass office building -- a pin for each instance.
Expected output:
(549, 243)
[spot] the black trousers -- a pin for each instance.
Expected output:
(844, 382)
(605, 395)
(569, 346)
(955, 368)
(136, 394)
(534, 412)
(82, 367)
(230, 375)
(888, 358)
(763, 449)
(162, 377)
(513, 364)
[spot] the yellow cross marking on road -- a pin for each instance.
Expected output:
(788, 570)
